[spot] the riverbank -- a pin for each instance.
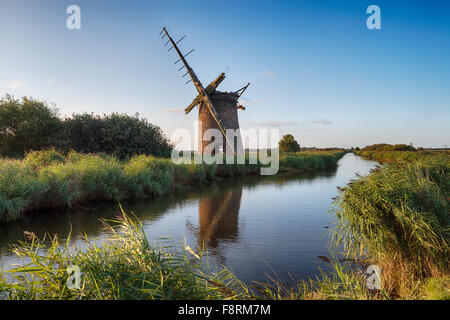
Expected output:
(397, 218)
(126, 266)
(52, 180)
(401, 156)
(397, 213)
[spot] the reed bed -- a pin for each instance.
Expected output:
(309, 161)
(398, 218)
(50, 179)
(126, 266)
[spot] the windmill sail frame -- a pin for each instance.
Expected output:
(203, 97)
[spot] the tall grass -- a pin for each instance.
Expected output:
(50, 179)
(309, 161)
(126, 266)
(398, 217)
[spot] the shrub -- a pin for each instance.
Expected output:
(288, 144)
(389, 147)
(116, 134)
(29, 124)
(25, 125)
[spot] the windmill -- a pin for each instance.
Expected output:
(217, 110)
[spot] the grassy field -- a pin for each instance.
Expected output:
(386, 153)
(50, 179)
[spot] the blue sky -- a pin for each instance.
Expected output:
(315, 69)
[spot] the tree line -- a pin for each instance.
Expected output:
(389, 147)
(28, 124)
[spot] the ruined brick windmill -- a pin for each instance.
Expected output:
(217, 110)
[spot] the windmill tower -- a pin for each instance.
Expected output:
(217, 110)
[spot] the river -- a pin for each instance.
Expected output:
(254, 225)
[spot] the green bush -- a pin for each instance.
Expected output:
(389, 147)
(25, 125)
(288, 144)
(29, 124)
(116, 134)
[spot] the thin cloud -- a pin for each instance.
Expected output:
(246, 102)
(268, 74)
(274, 124)
(50, 81)
(177, 111)
(14, 84)
(324, 122)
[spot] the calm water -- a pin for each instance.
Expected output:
(253, 225)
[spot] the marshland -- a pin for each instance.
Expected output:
(141, 227)
(96, 98)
